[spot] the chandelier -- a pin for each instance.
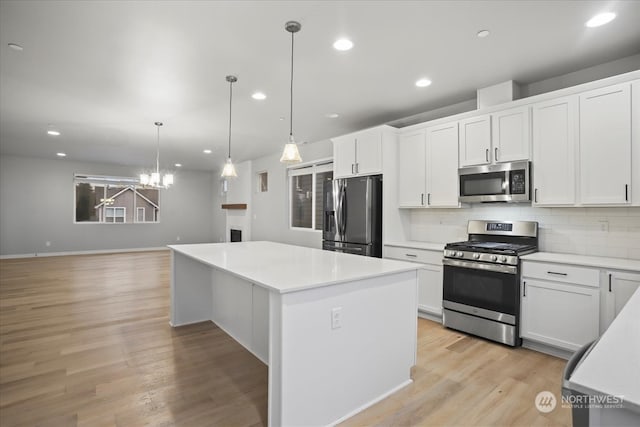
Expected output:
(152, 179)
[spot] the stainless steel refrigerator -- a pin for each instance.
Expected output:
(352, 217)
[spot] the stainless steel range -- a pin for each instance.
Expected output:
(481, 285)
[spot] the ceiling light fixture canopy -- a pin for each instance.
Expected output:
(290, 154)
(229, 170)
(600, 19)
(152, 179)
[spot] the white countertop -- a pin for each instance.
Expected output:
(286, 268)
(586, 261)
(613, 365)
(417, 245)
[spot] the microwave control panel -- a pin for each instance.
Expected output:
(517, 182)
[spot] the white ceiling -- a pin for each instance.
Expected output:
(101, 72)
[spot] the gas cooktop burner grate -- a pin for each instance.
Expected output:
(490, 246)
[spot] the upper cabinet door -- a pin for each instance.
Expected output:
(369, 152)
(510, 133)
(605, 146)
(554, 142)
(411, 169)
(442, 170)
(344, 156)
(475, 141)
(635, 142)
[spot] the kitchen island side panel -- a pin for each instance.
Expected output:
(191, 290)
(328, 374)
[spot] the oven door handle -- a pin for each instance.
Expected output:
(498, 268)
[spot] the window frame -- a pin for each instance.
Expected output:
(309, 168)
(104, 181)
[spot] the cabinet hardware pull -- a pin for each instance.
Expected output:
(626, 192)
(357, 168)
(524, 287)
(486, 154)
(557, 274)
(421, 199)
(609, 282)
(429, 199)
(412, 255)
(496, 152)
(535, 195)
(352, 172)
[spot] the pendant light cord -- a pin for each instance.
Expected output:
(230, 98)
(158, 151)
(291, 98)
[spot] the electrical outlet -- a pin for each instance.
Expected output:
(47, 243)
(177, 238)
(336, 318)
(604, 225)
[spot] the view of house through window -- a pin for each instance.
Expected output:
(263, 184)
(305, 194)
(109, 199)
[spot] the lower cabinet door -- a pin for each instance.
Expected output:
(558, 314)
(430, 289)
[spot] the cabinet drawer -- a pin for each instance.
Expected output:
(562, 273)
(415, 255)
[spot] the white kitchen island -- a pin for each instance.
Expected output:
(338, 331)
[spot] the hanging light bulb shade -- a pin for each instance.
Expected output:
(290, 154)
(229, 170)
(153, 179)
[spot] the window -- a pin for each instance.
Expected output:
(109, 199)
(140, 214)
(117, 214)
(263, 184)
(305, 194)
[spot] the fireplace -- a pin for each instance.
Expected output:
(236, 235)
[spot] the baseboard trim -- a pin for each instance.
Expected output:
(547, 349)
(93, 252)
(430, 316)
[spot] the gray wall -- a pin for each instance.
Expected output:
(36, 206)
(270, 213)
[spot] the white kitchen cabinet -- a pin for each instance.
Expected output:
(412, 169)
(605, 146)
(618, 290)
(635, 143)
(554, 152)
(358, 153)
(428, 167)
(499, 137)
(475, 141)
(429, 277)
(556, 312)
(510, 135)
(442, 166)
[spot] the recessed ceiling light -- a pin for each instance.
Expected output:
(259, 96)
(61, 154)
(206, 151)
(332, 115)
(15, 46)
(483, 33)
(53, 133)
(343, 44)
(178, 165)
(423, 83)
(600, 19)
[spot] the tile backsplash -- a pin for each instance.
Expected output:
(609, 232)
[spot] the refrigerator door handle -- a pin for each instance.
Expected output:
(337, 205)
(343, 205)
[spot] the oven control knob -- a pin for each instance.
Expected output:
(494, 257)
(476, 256)
(459, 254)
(503, 259)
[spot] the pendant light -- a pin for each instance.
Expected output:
(290, 153)
(229, 169)
(153, 179)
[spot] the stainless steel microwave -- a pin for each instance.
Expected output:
(504, 182)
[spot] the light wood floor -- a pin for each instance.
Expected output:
(85, 340)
